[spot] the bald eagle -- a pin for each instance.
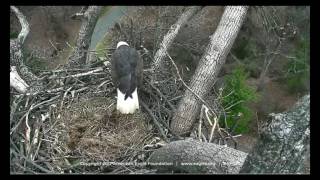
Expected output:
(126, 72)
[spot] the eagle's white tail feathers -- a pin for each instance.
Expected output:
(128, 106)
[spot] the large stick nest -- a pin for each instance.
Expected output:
(72, 123)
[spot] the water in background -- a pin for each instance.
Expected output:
(105, 22)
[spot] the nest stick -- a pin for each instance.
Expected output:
(155, 121)
(231, 137)
(200, 122)
(162, 95)
(31, 108)
(180, 79)
(33, 163)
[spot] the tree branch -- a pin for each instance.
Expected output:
(79, 56)
(25, 76)
(208, 68)
(192, 156)
(283, 142)
(24, 25)
(17, 82)
(170, 36)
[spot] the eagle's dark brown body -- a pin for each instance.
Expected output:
(126, 72)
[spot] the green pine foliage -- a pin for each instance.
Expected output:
(236, 94)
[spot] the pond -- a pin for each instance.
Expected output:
(106, 20)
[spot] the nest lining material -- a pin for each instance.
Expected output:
(94, 130)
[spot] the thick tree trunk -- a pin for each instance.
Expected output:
(157, 63)
(283, 143)
(21, 78)
(193, 156)
(281, 148)
(209, 66)
(89, 20)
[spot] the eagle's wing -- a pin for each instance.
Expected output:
(138, 66)
(126, 69)
(115, 78)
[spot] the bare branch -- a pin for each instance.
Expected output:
(79, 55)
(208, 68)
(169, 37)
(16, 57)
(17, 82)
(155, 122)
(24, 25)
(185, 85)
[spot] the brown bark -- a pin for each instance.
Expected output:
(157, 63)
(89, 20)
(209, 66)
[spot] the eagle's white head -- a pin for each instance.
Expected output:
(122, 43)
